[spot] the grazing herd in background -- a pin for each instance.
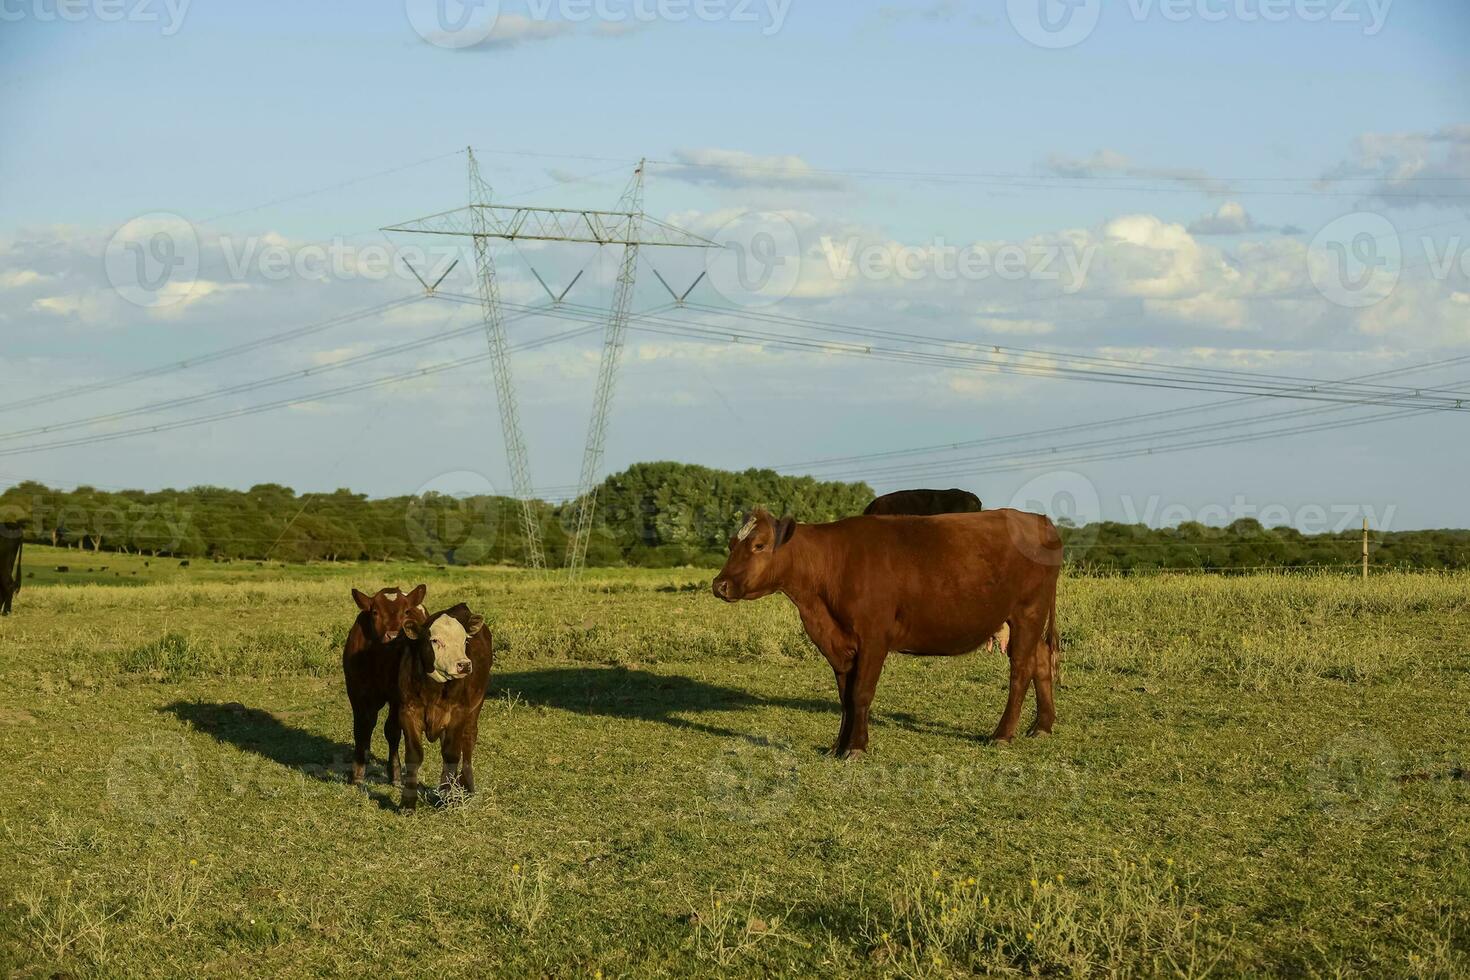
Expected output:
(923, 572)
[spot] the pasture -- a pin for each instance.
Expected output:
(1261, 774)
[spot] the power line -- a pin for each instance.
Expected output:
(299, 400)
(252, 345)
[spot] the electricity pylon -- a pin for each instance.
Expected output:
(627, 226)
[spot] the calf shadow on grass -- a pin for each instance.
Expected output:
(262, 733)
(619, 692)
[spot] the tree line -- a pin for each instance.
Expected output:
(652, 514)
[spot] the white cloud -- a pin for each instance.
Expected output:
(1411, 169)
(1230, 218)
(737, 168)
(1111, 163)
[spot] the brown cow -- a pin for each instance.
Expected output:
(11, 542)
(370, 667)
(918, 503)
(938, 586)
(926, 503)
(442, 678)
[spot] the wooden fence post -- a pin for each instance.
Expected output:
(1365, 549)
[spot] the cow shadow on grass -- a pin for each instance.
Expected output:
(265, 734)
(620, 692)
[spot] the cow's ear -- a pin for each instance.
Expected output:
(410, 629)
(784, 527)
(364, 602)
(473, 626)
(416, 597)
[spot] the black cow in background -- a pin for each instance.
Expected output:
(10, 545)
(925, 503)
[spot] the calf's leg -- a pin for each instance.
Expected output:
(449, 748)
(413, 752)
(364, 717)
(392, 732)
(468, 736)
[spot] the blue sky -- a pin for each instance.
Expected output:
(1192, 152)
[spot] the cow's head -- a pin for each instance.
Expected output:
(388, 609)
(751, 570)
(440, 643)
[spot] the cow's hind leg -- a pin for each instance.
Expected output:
(1046, 710)
(1025, 635)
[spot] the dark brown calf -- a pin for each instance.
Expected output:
(442, 678)
(925, 503)
(937, 586)
(11, 542)
(370, 667)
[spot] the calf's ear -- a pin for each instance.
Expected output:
(473, 626)
(364, 602)
(416, 597)
(784, 527)
(410, 629)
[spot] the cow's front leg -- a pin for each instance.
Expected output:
(468, 736)
(863, 685)
(838, 647)
(413, 750)
(364, 717)
(392, 732)
(844, 698)
(449, 749)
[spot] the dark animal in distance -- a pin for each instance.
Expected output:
(918, 503)
(11, 542)
(442, 678)
(936, 586)
(370, 668)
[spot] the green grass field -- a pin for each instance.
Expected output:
(1258, 775)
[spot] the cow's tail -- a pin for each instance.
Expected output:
(1054, 642)
(19, 547)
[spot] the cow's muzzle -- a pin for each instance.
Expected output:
(723, 588)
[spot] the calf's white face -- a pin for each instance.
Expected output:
(446, 657)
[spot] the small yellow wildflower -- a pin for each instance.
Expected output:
(1061, 880)
(934, 874)
(1169, 862)
(515, 869)
(970, 881)
(193, 862)
(1035, 884)
(1030, 936)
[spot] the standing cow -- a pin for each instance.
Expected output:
(370, 667)
(939, 586)
(11, 541)
(442, 678)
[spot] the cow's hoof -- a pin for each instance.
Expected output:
(1038, 732)
(854, 755)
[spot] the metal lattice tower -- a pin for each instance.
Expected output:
(612, 354)
(510, 416)
(627, 226)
